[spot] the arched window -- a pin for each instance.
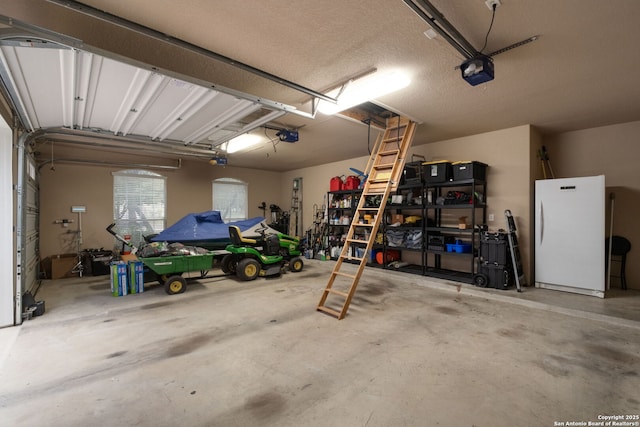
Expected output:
(230, 197)
(139, 203)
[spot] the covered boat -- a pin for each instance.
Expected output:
(207, 230)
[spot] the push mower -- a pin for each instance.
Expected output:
(267, 256)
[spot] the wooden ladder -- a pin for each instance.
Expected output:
(383, 172)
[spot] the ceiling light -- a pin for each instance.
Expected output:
(362, 90)
(242, 142)
(431, 34)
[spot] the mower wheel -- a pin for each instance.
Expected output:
(248, 269)
(296, 264)
(175, 285)
(228, 264)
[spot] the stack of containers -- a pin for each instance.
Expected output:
(494, 253)
(127, 278)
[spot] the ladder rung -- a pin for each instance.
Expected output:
(362, 225)
(351, 276)
(388, 152)
(352, 258)
(329, 310)
(337, 292)
(384, 166)
(358, 241)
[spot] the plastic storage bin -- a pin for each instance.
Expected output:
(438, 171)
(459, 247)
(469, 170)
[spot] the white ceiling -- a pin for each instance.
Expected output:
(581, 73)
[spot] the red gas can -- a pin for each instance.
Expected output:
(352, 183)
(336, 184)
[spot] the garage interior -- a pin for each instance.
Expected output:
(97, 88)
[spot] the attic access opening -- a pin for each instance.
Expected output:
(369, 112)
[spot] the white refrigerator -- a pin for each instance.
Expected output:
(570, 235)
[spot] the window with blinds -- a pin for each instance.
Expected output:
(230, 197)
(139, 203)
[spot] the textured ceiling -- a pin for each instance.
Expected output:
(581, 73)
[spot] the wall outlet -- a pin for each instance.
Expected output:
(492, 217)
(491, 3)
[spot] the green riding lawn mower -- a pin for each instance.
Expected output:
(269, 255)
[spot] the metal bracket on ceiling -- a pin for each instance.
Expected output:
(432, 16)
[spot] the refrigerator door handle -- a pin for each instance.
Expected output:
(541, 216)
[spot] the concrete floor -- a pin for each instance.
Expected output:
(412, 351)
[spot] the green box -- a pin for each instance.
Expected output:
(118, 271)
(135, 273)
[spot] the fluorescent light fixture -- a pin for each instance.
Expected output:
(365, 89)
(242, 142)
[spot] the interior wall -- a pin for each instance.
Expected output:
(507, 152)
(611, 151)
(188, 191)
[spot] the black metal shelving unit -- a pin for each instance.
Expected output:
(445, 226)
(437, 219)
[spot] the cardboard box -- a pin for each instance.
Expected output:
(118, 279)
(61, 265)
(128, 257)
(135, 272)
(462, 223)
(397, 218)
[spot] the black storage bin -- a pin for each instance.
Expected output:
(469, 170)
(412, 173)
(493, 248)
(435, 172)
(438, 242)
(499, 276)
(99, 262)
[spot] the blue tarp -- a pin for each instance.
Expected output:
(202, 227)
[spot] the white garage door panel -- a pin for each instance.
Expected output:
(7, 253)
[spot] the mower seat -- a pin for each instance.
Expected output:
(237, 239)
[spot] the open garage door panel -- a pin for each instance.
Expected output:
(53, 86)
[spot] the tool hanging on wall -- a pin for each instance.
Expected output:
(545, 163)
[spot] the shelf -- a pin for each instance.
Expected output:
(404, 248)
(411, 268)
(458, 206)
(458, 254)
(403, 207)
(450, 229)
(458, 276)
(461, 183)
